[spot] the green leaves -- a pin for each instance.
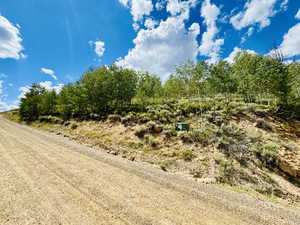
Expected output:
(31, 107)
(112, 89)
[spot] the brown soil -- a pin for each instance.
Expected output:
(47, 179)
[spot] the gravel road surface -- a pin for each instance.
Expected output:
(48, 179)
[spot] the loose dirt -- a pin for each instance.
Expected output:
(47, 179)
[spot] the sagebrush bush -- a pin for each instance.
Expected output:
(114, 118)
(51, 119)
(150, 141)
(263, 124)
(141, 132)
(220, 159)
(129, 120)
(203, 136)
(253, 135)
(267, 153)
(187, 155)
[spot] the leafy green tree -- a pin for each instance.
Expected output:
(175, 87)
(108, 88)
(245, 71)
(30, 105)
(275, 78)
(72, 101)
(48, 103)
(148, 86)
(294, 74)
(123, 85)
(188, 80)
(221, 79)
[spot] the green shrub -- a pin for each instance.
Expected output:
(73, 126)
(170, 133)
(143, 118)
(151, 142)
(185, 137)
(267, 153)
(187, 155)
(154, 127)
(216, 117)
(131, 144)
(220, 159)
(202, 136)
(13, 115)
(51, 119)
(129, 120)
(262, 124)
(140, 132)
(231, 130)
(114, 118)
(253, 135)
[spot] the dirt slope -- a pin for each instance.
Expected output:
(47, 179)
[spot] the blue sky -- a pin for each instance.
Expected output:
(53, 42)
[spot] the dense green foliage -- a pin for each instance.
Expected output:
(111, 89)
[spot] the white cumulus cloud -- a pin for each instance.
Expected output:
(23, 90)
(159, 50)
(99, 47)
(10, 40)
(49, 86)
(234, 53)
(4, 104)
(210, 45)
(150, 23)
(297, 16)
(139, 8)
(124, 2)
(290, 45)
(49, 72)
(175, 7)
(255, 12)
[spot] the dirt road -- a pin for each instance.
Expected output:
(47, 179)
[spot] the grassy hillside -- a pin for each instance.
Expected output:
(241, 145)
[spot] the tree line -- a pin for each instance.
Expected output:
(112, 89)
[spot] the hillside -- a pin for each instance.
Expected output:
(244, 146)
(243, 119)
(48, 179)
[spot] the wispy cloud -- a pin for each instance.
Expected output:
(49, 72)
